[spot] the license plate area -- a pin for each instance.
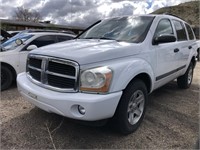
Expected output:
(32, 95)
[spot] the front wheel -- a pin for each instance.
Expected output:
(132, 106)
(6, 78)
(185, 80)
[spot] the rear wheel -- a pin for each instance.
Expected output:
(6, 78)
(185, 80)
(132, 106)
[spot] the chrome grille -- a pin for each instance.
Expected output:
(35, 62)
(53, 73)
(59, 68)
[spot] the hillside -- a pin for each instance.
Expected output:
(188, 11)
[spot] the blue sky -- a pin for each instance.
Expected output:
(149, 2)
(83, 12)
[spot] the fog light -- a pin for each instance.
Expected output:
(81, 110)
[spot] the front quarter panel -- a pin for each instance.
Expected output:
(126, 71)
(11, 58)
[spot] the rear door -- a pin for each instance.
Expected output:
(191, 41)
(184, 45)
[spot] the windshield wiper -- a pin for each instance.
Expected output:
(106, 38)
(90, 38)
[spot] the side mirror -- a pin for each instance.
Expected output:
(18, 42)
(31, 47)
(164, 38)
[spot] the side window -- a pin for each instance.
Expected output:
(44, 40)
(164, 27)
(180, 30)
(63, 38)
(190, 33)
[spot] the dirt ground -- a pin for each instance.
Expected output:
(171, 122)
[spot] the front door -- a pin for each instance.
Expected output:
(167, 55)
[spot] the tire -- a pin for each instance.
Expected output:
(185, 80)
(6, 78)
(132, 106)
(198, 54)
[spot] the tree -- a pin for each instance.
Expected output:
(23, 14)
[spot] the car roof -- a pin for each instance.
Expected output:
(171, 16)
(152, 15)
(49, 33)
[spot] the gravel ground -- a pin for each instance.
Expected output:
(171, 122)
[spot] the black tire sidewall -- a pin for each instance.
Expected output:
(191, 66)
(9, 77)
(183, 80)
(123, 123)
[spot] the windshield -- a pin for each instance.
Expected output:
(129, 29)
(11, 45)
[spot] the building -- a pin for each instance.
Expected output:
(13, 25)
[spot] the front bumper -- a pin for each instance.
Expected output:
(97, 107)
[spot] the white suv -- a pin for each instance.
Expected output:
(14, 52)
(109, 70)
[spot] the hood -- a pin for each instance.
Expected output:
(85, 51)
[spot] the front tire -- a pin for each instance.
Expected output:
(132, 107)
(185, 80)
(6, 78)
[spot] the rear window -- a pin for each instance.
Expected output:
(44, 40)
(180, 30)
(190, 33)
(62, 38)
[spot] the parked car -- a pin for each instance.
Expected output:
(109, 70)
(14, 52)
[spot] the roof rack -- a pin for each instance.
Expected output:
(166, 13)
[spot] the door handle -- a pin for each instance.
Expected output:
(176, 50)
(190, 47)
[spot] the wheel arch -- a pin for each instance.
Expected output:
(198, 54)
(193, 60)
(145, 78)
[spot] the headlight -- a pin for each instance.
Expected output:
(96, 80)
